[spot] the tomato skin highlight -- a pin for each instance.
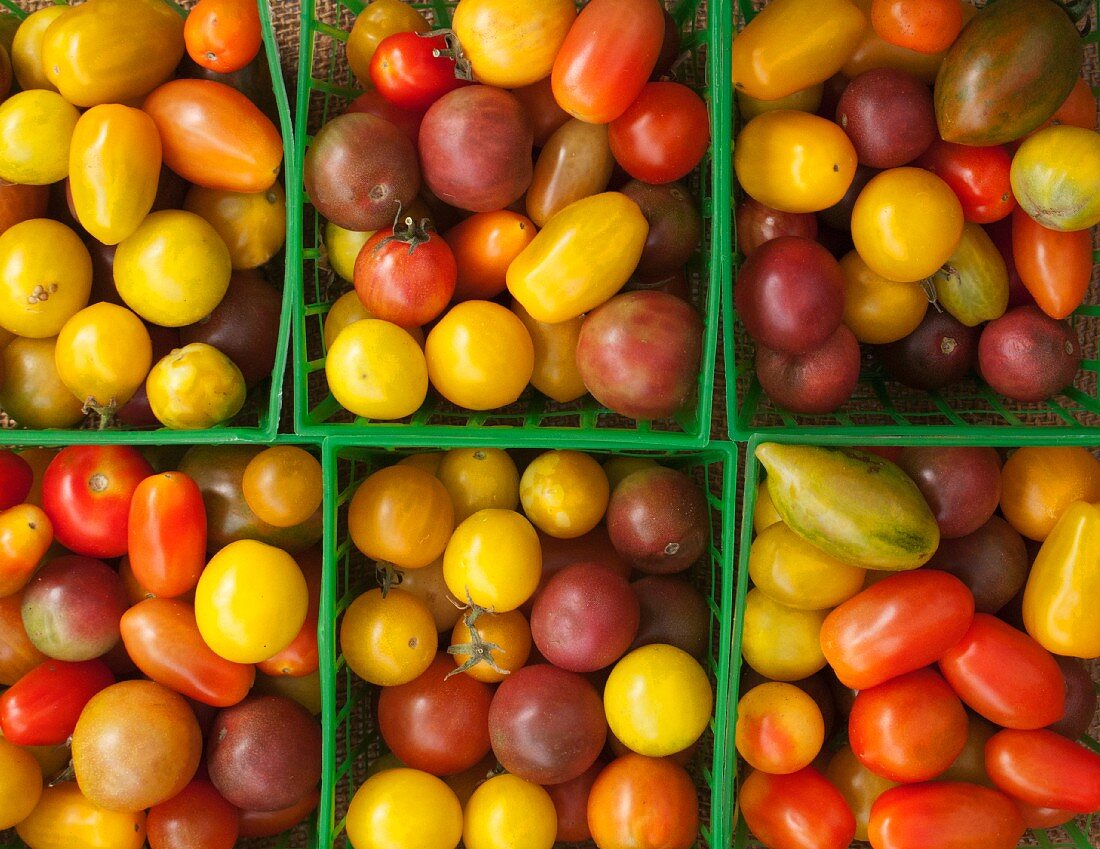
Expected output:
(1044, 769)
(42, 707)
(946, 814)
(408, 71)
(167, 534)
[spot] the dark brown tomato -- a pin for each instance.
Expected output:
(757, 224)
(1080, 699)
(136, 412)
(941, 351)
(253, 81)
(673, 283)
(542, 109)
(1028, 356)
(889, 117)
(21, 203)
(670, 50)
(1001, 234)
(675, 226)
(103, 274)
(359, 169)
(819, 381)
(570, 800)
(839, 215)
(672, 612)
(658, 519)
(546, 725)
(475, 148)
(831, 92)
(992, 561)
(962, 485)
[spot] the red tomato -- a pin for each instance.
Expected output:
(801, 810)
(16, 478)
(944, 814)
(643, 803)
(42, 707)
(167, 534)
(1055, 266)
(1043, 817)
(371, 102)
(977, 175)
(270, 823)
(926, 26)
(607, 57)
(223, 35)
(1005, 675)
(662, 135)
(299, 658)
(163, 639)
(409, 70)
(1044, 769)
(570, 800)
(890, 628)
(86, 492)
(197, 816)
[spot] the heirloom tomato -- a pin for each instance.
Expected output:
(926, 26)
(26, 48)
(507, 812)
(18, 656)
(780, 642)
(342, 247)
(64, 817)
(283, 486)
(195, 387)
(979, 177)
(401, 515)
(20, 783)
(555, 372)
(801, 810)
(1077, 110)
(167, 534)
(509, 632)
(1056, 177)
(377, 370)
(223, 35)
(197, 816)
(103, 354)
(493, 560)
(643, 803)
(380, 18)
(42, 707)
(32, 392)
(36, 128)
(404, 809)
(779, 728)
(477, 478)
(1054, 266)
(45, 277)
(858, 785)
(878, 310)
(412, 71)
(874, 52)
(662, 135)
(388, 640)
(944, 813)
(252, 225)
(509, 43)
(792, 571)
(564, 493)
(1038, 484)
(484, 245)
(25, 535)
(1044, 769)
(575, 163)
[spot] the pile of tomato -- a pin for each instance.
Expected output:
(506, 200)
(921, 176)
(139, 208)
(530, 691)
(158, 645)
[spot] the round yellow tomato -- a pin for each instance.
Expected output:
(793, 161)
(507, 812)
(195, 387)
(779, 728)
(555, 373)
(26, 49)
(878, 310)
(617, 468)
(793, 572)
(253, 226)
(804, 100)
(103, 354)
(64, 818)
(564, 493)
(906, 223)
(401, 515)
(404, 809)
(378, 20)
(764, 514)
(45, 277)
(36, 128)
(251, 601)
(478, 478)
(429, 461)
(376, 370)
(494, 560)
(512, 43)
(343, 246)
(283, 485)
(657, 700)
(20, 784)
(480, 356)
(388, 640)
(32, 392)
(1056, 177)
(780, 642)
(509, 632)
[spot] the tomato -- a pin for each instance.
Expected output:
(272, 823)
(26, 49)
(780, 642)
(511, 44)
(764, 514)
(404, 809)
(388, 640)
(103, 354)
(979, 177)
(858, 785)
(794, 162)
(502, 645)
(342, 247)
(214, 136)
(878, 310)
(25, 535)
(906, 224)
(944, 813)
(643, 803)
(571, 804)
(1056, 177)
(375, 369)
(223, 35)
(371, 102)
(1039, 484)
(413, 71)
(1044, 769)
(1043, 817)
(18, 656)
(381, 18)
(873, 52)
(791, 571)
(479, 478)
(1078, 109)
(196, 816)
(507, 812)
(36, 128)
(64, 818)
(493, 560)
(575, 163)
(555, 372)
(797, 811)
(428, 584)
(21, 203)
(253, 226)
(32, 393)
(348, 309)
(86, 492)
(45, 277)
(541, 107)
(20, 784)
(483, 246)
(401, 515)
(298, 659)
(927, 26)
(282, 485)
(479, 355)
(804, 100)
(564, 493)
(779, 728)
(42, 707)
(890, 629)
(662, 135)
(167, 534)
(1054, 266)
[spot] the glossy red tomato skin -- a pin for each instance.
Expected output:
(570, 800)
(945, 814)
(662, 135)
(408, 75)
(1044, 769)
(42, 707)
(198, 817)
(1005, 675)
(643, 803)
(977, 175)
(16, 478)
(890, 628)
(167, 534)
(299, 658)
(86, 492)
(406, 283)
(371, 102)
(801, 810)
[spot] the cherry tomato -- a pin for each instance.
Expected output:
(25, 535)
(223, 35)
(511, 44)
(979, 177)
(797, 811)
(509, 632)
(927, 26)
(252, 224)
(478, 478)
(571, 804)
(662, 135)
(45, 277)
(42, 707)
(1039, 483)
(781, 642)
(507, 812)
(779, 728)
(166, 534)
(643, 803)
(388, 640)
(858, 785)
(64, 817)
(377, 370)
(18, 656)
(412, 71)
(484, 245)
(555, 372)
(103, 354)
(282, 485)
(404, 809)
(37, 127)
(1055, 266)
(197, 816)
(1044, 769)
(378, 20)
(564, 493)
(494, 560)
(195, 387)
(20, 783)
(944, 813)
(401, 515)
(32, 392)
(298, 659)
(271, 823)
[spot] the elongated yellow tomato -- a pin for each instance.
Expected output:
(878, 310)
(376, 370)
(581, 257)
(793, 161)
(1056, 177)
(252, 224)
(794, 44)
(88, 58)
(26, 48)
(114, 167)
(103, 354)
(512, 43)
(36, 128)
(790, 570)
(343, 246)
(1060, 609)
(195, 387)
(45, 277)
(493, 559)
(64, 818)
(555, 374)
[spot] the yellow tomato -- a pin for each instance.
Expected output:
(583, 256)
(348, 309)
(780, 642)
(388, 640)
(1056, 177)
(794, 572)
(657, 700)
(617, 468)
(494, 560)
(378, 20)
(103, 354)
(805, 100)
(114, 167)
(36, 128)
(376, 370)
(794, 44)
(283, 485)
(512, 43)
(195, 387)
(20, 784)
(253, 226)
(555, 372)
(45, 277)
(64, 819)
(793, 161)
(85, 57)
(32, 392)
(479, 478)
(1038, 484)
(764, 514)
(343, 246)
(878, 310)
(480, 356)
(564, 493)
(174, 269)
(429, 461)
(906, 223)
(251, 601)
(26, 49)
(404, 809)
(507, 812)
(509, 632)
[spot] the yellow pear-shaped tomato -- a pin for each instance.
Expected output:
(103, 354)
(793, 161)
(36, 128)
(1056, 177)
(195, 387)
(26, 48)
(582, 257)
(111, 51)
(555, 374)
(512, 43)
(252, 224)
(114, 167)
(45, 277)
(65, 818)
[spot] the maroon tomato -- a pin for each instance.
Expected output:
(993, 563)
(570, 800)
(801, 810)
(818, 381)
(436, 723)
(1081, 698)
(198, 817)
(16, 477)
(944, 813)
(42, 707)
(371, 102)
(892, 628)
(86, 492)
(643, 803)
(271, 823)
(658, 519)
(977, 175)
(962, 485)
(592, 547)
(1044, 769)
(412, 71)
(757, 224)
(167, 534)
(888, 115)
(674, 613)
(662, 135)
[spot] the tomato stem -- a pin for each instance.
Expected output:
(478, 649)
(464, 70)
(104, 413)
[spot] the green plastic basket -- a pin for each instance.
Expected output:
(1084, 832)
(325, 85)
(259, 419)
(352, 741)
(882, 406)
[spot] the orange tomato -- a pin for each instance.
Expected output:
(18, 656)
(25, 534)
(1077, 110)
(484, 246)
(1039, 483)
(555, 374)
(509, 632)
(927, 26)
(223, 35)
